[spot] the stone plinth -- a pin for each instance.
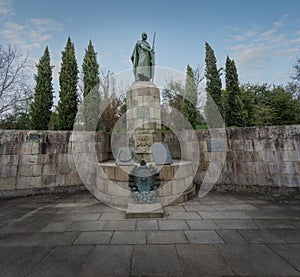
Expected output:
(143, 118)
(135, 210)
(176, 184)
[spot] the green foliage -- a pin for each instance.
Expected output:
(213, 81)
(8, 122)
(182, 99)
(173, 95)
(54, 122)
(20, 121)
(269, 105)
(201, 127)
(23, 121)
(263, 115)
(296, 67)
(294, 85)
(234, 113)
(68, 78)
(190, 98)
(91, 81)
(40, 108)
(286, 109)
(90, 69)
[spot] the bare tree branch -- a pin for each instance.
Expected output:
(13, 87)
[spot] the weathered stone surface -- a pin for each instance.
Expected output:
(40, 236)
(155, 260)
(88, 238)
(255, 260)
(260, 160)
(192, 255)
(135, 210)
(203, 236)
(129, 237)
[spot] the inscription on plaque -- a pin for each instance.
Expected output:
(143, 112)
(216, 146)
(34, 137)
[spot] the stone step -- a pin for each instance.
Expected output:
(136, 210)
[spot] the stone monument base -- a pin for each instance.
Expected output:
(143, 118)
(176, 184)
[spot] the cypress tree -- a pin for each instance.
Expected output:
(190, 97)
(234, 113)
(90, 69)
(91, 81)
(68, 78)
(213, 81)
(40, 108)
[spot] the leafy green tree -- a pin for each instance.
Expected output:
(91, 81)
(90, 69)
(213, 81)
(294, 85)
(40, 108)
(54, 122)
(296, 75)
(286, 108)
(68, 78)
(263, 115)
(190, 97)
(172, 95)
(233, 109)
(269, 105)
(23, 121)
(248, 98)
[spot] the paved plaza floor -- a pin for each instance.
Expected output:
(221, 234)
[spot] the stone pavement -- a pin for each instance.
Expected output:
(219, 235)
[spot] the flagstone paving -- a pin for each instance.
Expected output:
(222, 234)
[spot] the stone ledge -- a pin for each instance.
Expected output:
(37, 191)
(256, 189)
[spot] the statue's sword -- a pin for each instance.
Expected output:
(153, 56)
(153, 40)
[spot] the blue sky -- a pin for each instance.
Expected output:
(263, 37)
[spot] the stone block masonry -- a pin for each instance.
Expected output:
(40, 161)
(262, 160)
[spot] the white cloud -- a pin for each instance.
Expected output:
(28, 34)
(6, 8)
(295, 41)
(258, 47)
(250, 33)
(260, 51)
(252, 55)
(32, 34)
(288, 51)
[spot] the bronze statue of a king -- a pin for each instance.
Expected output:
(143, 60)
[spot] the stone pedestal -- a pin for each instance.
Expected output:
(143, 118)
(176, 185)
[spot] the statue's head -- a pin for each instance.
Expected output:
(144, 36)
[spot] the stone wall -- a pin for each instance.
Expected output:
(265, 159)
(256, 160)
(38, 162)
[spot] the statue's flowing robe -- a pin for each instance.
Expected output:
(143, 60)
